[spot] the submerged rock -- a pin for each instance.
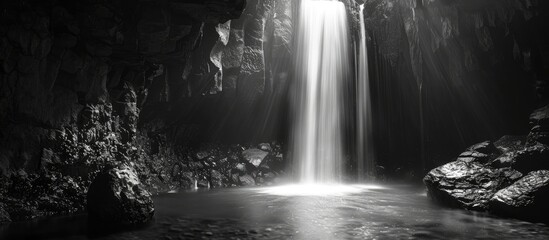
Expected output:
(116, 197)
(527, 198)
(466, 184)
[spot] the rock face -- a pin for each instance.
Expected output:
(117, 197)
(408, 38)
(468, 185)
(510, 177)
(527, 198)
(87, 85)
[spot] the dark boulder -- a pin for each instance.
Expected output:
(466, 184)
(490, 176)
(116, 197)
(527, 198)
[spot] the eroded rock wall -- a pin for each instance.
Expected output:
(481, 66)
(90, 84)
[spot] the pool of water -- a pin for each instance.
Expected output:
(352, 212)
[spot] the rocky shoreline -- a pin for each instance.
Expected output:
(28, 196)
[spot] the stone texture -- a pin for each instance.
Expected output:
(527, 198)
(509, 177)
(254, 156)
(407, 40)
(117, 197)
(468, 185)
(74, 81)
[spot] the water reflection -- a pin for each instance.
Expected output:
(366, 212)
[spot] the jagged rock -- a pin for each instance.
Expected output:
(473, 156)
(505, 160)
(254, 156)
(241, 167)
(117, 197)
(527, 198)
(233, 52)
(467, 184)
(480, 152)
(246, 180)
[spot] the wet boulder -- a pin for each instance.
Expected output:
(116, 197)
(527, 198)
(466, 184)
(254, 156)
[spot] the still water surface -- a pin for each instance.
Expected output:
(359, 212)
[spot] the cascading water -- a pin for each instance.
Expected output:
(322, 68)
(364, 141)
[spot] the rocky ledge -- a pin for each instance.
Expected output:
(508, 177)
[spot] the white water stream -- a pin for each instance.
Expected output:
(323, 60)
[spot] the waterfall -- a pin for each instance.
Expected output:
(364, 141)
(322, 68)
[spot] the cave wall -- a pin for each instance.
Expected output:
(481, 65)
(88, 84)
